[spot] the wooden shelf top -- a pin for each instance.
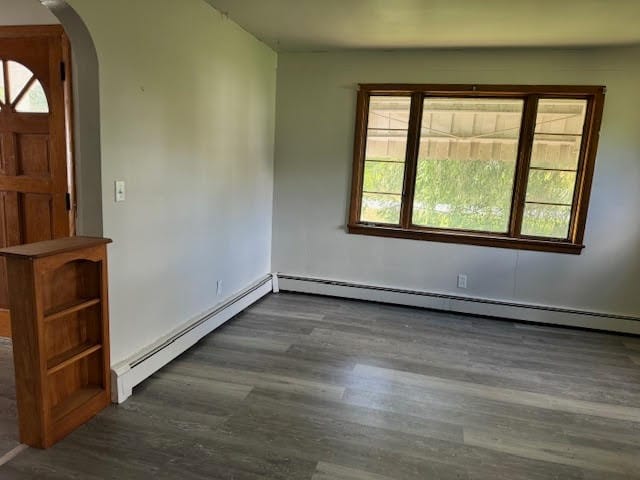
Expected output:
(53, 247)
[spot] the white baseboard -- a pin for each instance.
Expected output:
(469, 305)
(131, 372)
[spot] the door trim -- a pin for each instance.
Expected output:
(5, 323)
(69, 132)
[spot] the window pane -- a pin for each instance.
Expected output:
(560, 116)
(34, 100)
(19, 75)
(385, 156)
(386, 177)
(554, 164)
(550, 221)
(466, 163)
(389, 112)
(389, 145)
(548, 186)
(379, 208)
(559, 152)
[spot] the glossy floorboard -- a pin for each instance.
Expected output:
(303, 387)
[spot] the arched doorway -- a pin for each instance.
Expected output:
(83, 147)
(82, 107)
(86, 118)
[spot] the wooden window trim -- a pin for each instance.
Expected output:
(513, 239)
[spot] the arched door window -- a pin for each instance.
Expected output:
(20, 90)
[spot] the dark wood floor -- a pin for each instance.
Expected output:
(303, 387)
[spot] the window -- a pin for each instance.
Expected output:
(505, 166)
(20, 90)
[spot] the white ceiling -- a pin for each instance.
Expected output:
(311, 25)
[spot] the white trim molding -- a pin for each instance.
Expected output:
(13, 453)
(129, 373)
(461, 304)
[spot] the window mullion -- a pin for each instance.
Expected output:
(362, 108)
(411, 161)
(524, 160)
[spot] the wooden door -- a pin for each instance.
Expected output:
(34, 164)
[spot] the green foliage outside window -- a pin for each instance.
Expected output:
(468, 195)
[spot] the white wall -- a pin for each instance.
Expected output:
(25, 12)
(187, 120)
(314, 144)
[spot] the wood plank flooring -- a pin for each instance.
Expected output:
(305, 387)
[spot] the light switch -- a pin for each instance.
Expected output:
(121, 191)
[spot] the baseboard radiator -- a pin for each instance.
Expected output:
(131, 372)
(460, 304)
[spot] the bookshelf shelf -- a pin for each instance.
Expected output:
(62, 361)
(72, 307)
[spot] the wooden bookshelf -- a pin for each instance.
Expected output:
(60, 328)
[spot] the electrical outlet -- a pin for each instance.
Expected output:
(120, 191)
(462, 281)
(219, 288)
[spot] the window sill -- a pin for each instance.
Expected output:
(467, 238)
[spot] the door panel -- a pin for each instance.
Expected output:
(33, 140)
(36, 217)
(33, 156)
